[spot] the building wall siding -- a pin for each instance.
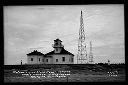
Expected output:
(59, 57)
(51, 60)
(35, 59)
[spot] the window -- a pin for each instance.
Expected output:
(56, 43)
(56, 60)
(71, 59)
(31, 59)
(63, 59)
(46, 60)
(56, 49)
(39, 59)
(42, 60)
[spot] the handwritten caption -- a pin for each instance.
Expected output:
(46, 74)
(113, 73)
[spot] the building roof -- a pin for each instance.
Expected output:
(63, 51)
(35, 52)
(57, 39)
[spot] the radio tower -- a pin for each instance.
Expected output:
(91, 54)
(82, 53)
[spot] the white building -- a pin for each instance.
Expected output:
(58, 56)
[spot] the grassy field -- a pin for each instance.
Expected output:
(78, 73)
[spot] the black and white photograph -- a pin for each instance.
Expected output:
(64, 43)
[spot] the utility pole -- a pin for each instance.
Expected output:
(82, 53)
(90, 54)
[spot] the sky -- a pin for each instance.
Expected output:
(28, 28)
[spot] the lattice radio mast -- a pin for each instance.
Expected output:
(82, 53)
(91, 54)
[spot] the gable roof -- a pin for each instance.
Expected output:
(35, 52)
(63, 51)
